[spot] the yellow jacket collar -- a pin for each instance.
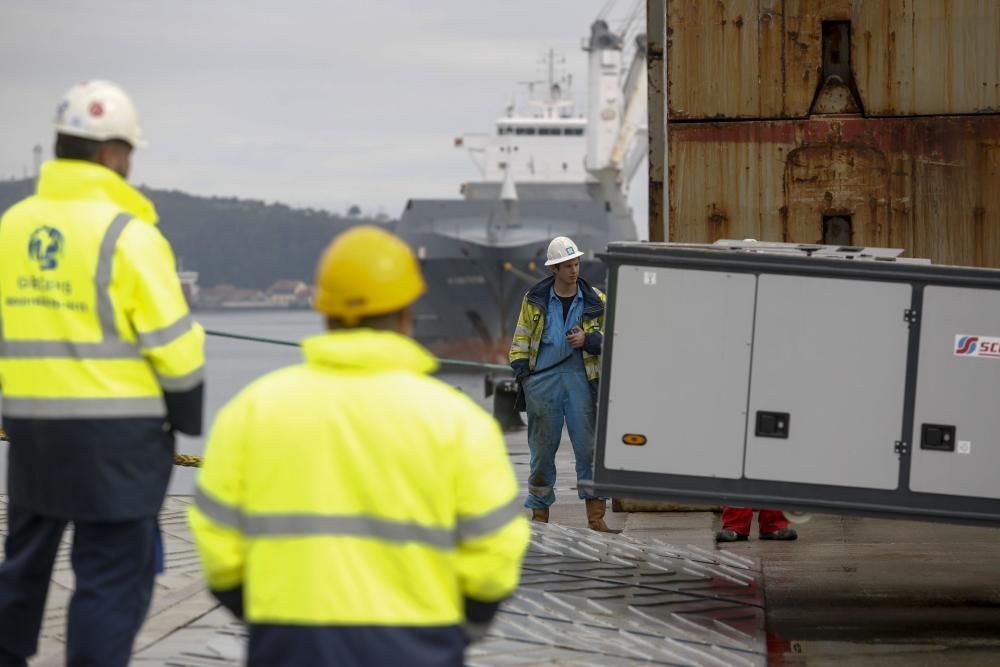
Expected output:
(368, 350)
(75, 179)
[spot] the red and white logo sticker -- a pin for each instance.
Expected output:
(976, 346)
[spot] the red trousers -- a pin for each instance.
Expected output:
(738, 519)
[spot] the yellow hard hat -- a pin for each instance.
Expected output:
(366, 271)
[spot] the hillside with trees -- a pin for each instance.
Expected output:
(241, 242)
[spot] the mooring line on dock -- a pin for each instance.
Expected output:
(458, 363)
(194, 461)
(185, 460)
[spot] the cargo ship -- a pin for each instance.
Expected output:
(544, 171)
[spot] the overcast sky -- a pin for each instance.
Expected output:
(322, 103)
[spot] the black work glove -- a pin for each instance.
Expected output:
(231, 600)
(478, 617)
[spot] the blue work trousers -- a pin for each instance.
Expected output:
(114, 565)
(561, 395)
(355, 646)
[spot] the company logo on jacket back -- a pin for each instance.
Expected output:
(45, 246)
(976, 346)
(45, 249)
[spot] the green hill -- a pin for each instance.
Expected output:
(241, 242)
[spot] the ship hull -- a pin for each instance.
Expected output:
(479, 258)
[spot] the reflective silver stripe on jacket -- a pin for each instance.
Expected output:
(182, 383)
(105, 309)
(286, 525)
(473, 527)
(227, 515)
(166, 335)
(40, 349)
(68, 408)
(521, 330)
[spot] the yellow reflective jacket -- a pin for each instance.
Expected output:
(355, 490)
(94, 320)
(531, 325)
(94, 327)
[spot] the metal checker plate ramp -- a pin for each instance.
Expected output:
(590, 598)
(586, 598)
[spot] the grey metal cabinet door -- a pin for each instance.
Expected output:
(681, 358)
(956, 427)
(831, 355)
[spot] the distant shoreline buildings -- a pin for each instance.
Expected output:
(280, 295)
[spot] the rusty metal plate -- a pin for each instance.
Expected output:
(928, 185)
(765, 58)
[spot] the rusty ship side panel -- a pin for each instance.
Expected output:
(724, 58)
(764, 59)
(802, 45)
(927, 57)
(930, 185)
(747, 58)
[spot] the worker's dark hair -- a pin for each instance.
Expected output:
(69, 147)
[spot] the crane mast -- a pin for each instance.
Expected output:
(616, 137)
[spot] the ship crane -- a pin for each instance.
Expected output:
(616, 136)
(631, 147)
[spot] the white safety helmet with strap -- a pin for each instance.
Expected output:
(99, 110)
(561, 249)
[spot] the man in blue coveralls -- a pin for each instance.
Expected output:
(555, 355)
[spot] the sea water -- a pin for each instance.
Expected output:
(233, 364)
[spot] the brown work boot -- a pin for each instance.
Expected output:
(595, 516)
(540, 515)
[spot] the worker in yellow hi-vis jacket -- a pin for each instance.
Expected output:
(555, 356)
(353, 509)
(100, 363)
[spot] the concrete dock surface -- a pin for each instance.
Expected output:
(850, 591)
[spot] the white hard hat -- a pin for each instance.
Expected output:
(99, 110)
(562, 248)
